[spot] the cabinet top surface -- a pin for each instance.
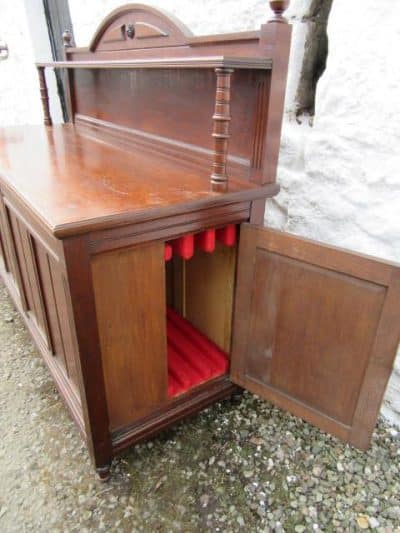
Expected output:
(75, 183)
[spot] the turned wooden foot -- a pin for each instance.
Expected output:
(237, 397)
(103, 473)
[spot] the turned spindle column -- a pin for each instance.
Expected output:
(221, 118)
(44, 96)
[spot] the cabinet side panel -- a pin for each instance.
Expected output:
(24, 282)
(45, 270)
(3, 256)
(11, 253)
(129, 288)
(37, 272)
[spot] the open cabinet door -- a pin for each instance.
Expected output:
(316, 330)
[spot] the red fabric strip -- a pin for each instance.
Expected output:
(184, 246)
(217, 356)
(168, 252)
(205, 240)
(227, 235)
(192, 358)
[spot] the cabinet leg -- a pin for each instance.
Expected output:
(103, 473)
(237, 396)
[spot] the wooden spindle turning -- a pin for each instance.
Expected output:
(221, 118)
(44, 96)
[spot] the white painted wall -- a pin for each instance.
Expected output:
(23, 28)
(339, 179)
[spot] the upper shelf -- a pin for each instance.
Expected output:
(260, 63)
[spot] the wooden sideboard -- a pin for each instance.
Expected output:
(132, 243)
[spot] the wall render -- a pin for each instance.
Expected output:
(23, 28)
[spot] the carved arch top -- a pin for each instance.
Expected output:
(138, 26)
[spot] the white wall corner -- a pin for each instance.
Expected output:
(41, 49)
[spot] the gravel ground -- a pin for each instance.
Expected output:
(249, 467)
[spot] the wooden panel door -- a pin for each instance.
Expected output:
(316, 330)
(129, 288)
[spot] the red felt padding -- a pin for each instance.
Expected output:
(215, 355)
(192, 358)
(185, 347)
(205, 240)
(167, 252)
(184, 373)
(184, 246)
(227, 235)
(174, 388)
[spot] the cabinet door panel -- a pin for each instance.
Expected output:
(316, 330)
(129, 287)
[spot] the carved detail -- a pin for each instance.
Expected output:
(221, 118)
(130, 31)
(145, 30)
(44, 96)
(279, 7)
(67, 39)
(139, 30)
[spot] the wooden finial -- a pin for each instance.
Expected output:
(67, 39)
(279, 7)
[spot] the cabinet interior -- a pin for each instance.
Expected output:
(199, 295)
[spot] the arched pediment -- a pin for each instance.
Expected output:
(138, 26)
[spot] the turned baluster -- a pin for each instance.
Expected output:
(44, 96)
(221, 118)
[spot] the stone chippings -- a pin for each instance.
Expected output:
(249, 467)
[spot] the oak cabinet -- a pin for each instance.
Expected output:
(135, 252)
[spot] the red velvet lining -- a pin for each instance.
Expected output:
(227, 235)
(167, 252)
(192, 357)
(184, 246)
(205, 240)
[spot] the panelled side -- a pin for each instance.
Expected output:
(35, 277)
